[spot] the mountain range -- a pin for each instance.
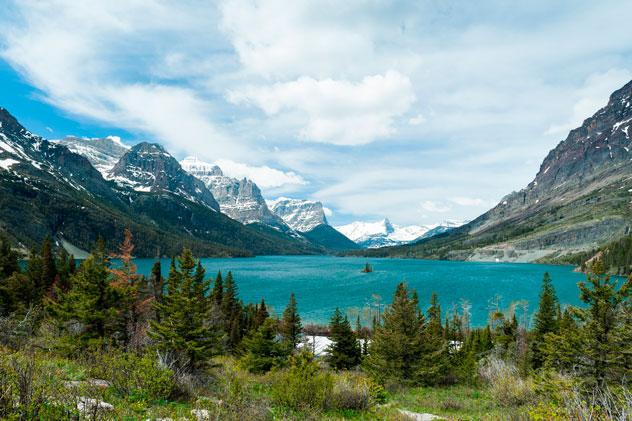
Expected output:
(580, 199)
(384, 233)
(79, 189)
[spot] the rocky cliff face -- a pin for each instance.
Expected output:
(147, 167)
(579, 200)
(103, 153)
(300, 215)
(240, 199)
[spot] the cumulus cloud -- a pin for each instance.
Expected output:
(338, 111)
(264, 176)
(417, 120)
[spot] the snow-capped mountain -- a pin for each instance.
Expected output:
(147, 167)
(103, 153)
(240, 199)
(301, 215)
(383, 233)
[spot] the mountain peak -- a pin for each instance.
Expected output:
(301, 215)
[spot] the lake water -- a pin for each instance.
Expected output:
(322, 283)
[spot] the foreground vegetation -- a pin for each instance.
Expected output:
(99, 341)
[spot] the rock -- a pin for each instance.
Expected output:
(97, 383)
(89, 405)
(417, 416)
(201, 414)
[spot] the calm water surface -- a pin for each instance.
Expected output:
(322, 283)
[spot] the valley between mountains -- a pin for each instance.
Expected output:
(78, 189)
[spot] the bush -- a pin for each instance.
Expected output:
(354, 390)
(137, 378)
(304, 385)
(29, 389)
(505, 383)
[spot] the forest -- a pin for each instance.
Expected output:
(96, 340)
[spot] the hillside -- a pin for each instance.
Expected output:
(46, 189)
(578, 201)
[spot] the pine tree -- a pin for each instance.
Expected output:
(290, 326)
(49, 269)
(546, 319)
(218, 291)
(604, 359)
(231, 310)
(8, 259)
(261, 314)
(434, 317)
(90, 309)
(400, 350)
(262, 349)
(344, 352)
(183, 327)
(156, 281)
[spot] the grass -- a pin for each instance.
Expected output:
(454, 402)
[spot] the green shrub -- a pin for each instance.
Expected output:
(304, 385)
(30, 390)
(137, 378)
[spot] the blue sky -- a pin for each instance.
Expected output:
(418, 111)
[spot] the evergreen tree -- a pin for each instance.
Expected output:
(546, 319)
(182, 327)
(261, 314)
(290, 326)
(604, 359)
(344, 352)
(218, 291)
(400, 350)
(231, 310)
(156, 281)
(262, 350)
(48, 268)
(8, 259)
(90, 309)
(434, 317)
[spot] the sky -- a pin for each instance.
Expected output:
(419, 111)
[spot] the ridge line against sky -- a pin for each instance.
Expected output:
(415, 111)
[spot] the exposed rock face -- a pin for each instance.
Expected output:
(103, 153)
(579, 200)
(300, 215)
(240, 199)
(147, 167)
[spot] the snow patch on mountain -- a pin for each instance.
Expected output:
(301, 215)
(103, 153)
(384, 233)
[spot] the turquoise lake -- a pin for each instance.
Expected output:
(322, 283)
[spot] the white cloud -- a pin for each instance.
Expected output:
(417, 120)
(327, 211)
(264, 176)
(473, 202)
(338, 111)
(436, 207)
(590, 97)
